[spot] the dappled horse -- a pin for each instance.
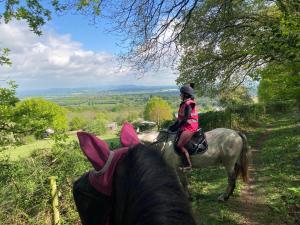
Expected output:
(225, 146)
(131, 185)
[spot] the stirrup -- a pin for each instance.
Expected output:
(185, 168)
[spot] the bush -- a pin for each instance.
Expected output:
(77, 123)
(211, 120)
(97, 126)
(27, 139)
(240, 116)
(280, 106)
(7, 138)
(25, 190)
(35, 115)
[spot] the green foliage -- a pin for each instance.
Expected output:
(31, 11)
(157, 110)
(4, 57)
(36, 14)
(101, 116)
(243, 116)
(8, 100)
(238, 96)
(279, 164)
(214, 119)
(35, 115)
(25, 185)
(77, 123)
(225, 43)
(96, 126)
(8, 95)
(29, 139)
(275, 191)
(278, 83)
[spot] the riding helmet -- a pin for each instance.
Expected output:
(187, 89)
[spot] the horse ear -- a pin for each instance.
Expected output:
(96, 150)
(128, 136)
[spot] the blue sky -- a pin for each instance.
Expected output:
(92, 36)
(70, 53)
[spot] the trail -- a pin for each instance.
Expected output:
(251, 201)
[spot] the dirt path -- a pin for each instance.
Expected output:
(253, 209)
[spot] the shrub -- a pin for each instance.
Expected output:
(97, 126)
(25, 190)
(77, 123)
(35, 115)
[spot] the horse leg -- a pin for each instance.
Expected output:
(184, 181)
(232, 176)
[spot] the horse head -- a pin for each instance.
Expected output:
(128, 186)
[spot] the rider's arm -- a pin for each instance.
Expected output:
(178, 124)
(187, 112)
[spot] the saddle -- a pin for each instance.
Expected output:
(197, 145)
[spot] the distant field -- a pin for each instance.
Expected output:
(24, 151)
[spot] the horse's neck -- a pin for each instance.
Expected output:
(149, 137)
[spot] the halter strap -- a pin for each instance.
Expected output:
(106, 165)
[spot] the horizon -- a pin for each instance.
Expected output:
(67, 57)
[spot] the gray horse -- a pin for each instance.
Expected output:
(225, 146)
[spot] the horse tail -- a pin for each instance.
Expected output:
(244, 158)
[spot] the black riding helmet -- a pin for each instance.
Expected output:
(187, 89)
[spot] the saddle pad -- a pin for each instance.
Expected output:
(197, 145)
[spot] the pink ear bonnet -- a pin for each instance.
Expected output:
(103, 159)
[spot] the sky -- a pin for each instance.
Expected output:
(70, 53)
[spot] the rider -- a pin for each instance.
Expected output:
(187, 121)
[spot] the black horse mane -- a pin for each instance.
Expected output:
(147, 191)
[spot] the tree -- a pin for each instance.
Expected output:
(96, 126)
(8, 95)
(227, 41)
(222, 43)
(277, 84)
(77, 123)
(237, 97)
(8, 100)
(35, 115)
(157, 110)
(36, 14)
(4, 57)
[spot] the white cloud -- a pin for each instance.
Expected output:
(54, 60)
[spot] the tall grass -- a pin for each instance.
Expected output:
(24, 184)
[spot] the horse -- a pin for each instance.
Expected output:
(133, 185)
(225, 146)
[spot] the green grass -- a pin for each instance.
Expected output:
(24, 151)
(205, 187)
(24, 183)
(277, 174)
(279, 165)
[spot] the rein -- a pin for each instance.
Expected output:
(162, 139)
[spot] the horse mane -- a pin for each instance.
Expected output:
(147, 191)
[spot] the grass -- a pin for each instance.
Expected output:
(277, 172)
(279, 166)
(19, 152)
(15, 153)
(24, 184)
